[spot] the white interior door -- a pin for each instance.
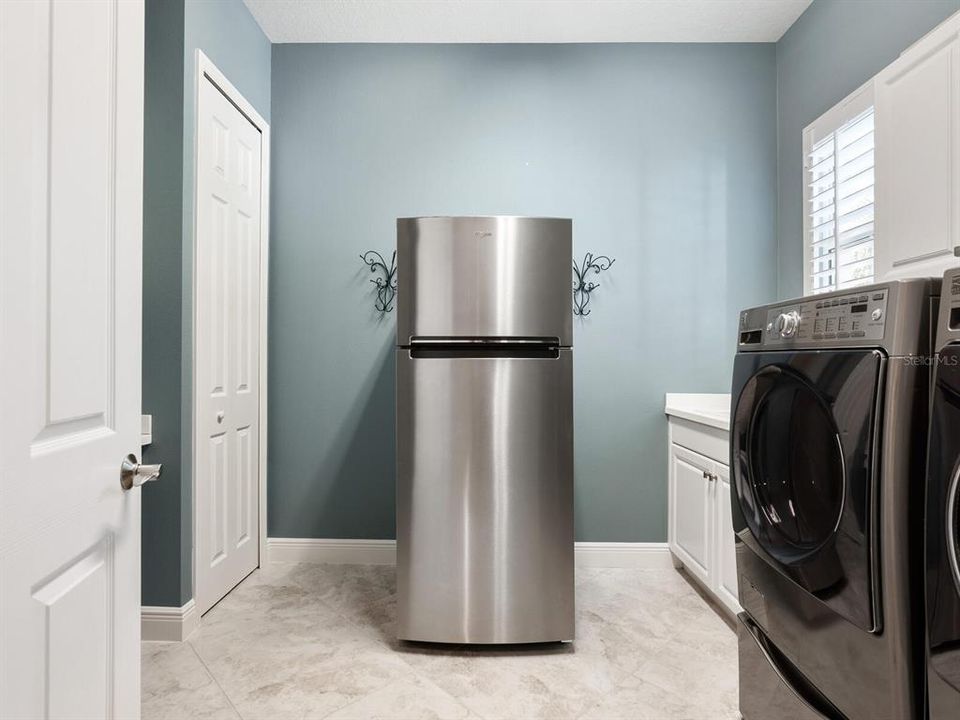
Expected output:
(227, 345)
(71, 135)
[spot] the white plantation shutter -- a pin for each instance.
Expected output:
(839, 197)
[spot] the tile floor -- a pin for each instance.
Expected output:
(316, 641)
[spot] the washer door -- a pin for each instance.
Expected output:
(943, 530)
(802, 445)
(795, 483)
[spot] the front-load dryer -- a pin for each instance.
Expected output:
(943, 513)
(827, 441)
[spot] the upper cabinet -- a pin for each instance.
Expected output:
(917, 104)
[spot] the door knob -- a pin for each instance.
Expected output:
(220, 416)
(133, 474)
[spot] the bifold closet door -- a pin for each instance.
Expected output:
(227, 338)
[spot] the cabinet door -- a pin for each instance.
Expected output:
(725, 576)
(691, 511)
(918, 157)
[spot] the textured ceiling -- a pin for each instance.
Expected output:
(525, 21)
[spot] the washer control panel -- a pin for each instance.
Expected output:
(859, 316)
(950, 296)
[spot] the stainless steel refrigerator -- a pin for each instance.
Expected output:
(485, 430)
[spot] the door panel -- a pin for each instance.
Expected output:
(485, 277)
(227, 345)
(484, 498)
(71, 112)
(726, 575)
(803, 438)
(692, 509)
(918, 121)
(80, 178)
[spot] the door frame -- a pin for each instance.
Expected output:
(206, 69)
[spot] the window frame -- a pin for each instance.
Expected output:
(830, 122)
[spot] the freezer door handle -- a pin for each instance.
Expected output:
(450, 352)
(472, 341)
(484, 347)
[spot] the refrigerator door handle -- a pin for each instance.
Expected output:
(449, 352)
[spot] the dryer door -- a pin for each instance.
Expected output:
(943, 535)
(802, 443)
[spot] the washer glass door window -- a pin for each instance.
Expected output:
(943, 522)
(796, 466)
(803, 441)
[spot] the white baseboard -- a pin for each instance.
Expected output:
(638, 555)
(333, 551)
(168, 623)
(648, 556)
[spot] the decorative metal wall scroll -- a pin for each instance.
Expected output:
(386, 281)
(582, 287)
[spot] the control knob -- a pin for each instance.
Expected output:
(788, 323)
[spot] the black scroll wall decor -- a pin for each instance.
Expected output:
(582, 285)
(386, 280)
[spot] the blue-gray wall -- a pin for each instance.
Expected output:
(228, 35)
(161, 581)
(832, 49)
(664, 155)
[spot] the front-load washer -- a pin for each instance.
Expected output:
(943, 512)
(827, 440)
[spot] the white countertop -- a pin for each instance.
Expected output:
(711, 409)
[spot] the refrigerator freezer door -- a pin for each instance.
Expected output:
(484, 277)
(484, 497)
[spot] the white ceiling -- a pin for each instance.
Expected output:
(525, 21)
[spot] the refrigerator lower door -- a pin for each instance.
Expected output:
(484, 496)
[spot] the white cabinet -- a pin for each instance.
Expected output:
(692, 476)
(917, 101)
(700, 529)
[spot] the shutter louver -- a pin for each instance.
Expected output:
(840, 206)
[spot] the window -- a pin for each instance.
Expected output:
(838, 196)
